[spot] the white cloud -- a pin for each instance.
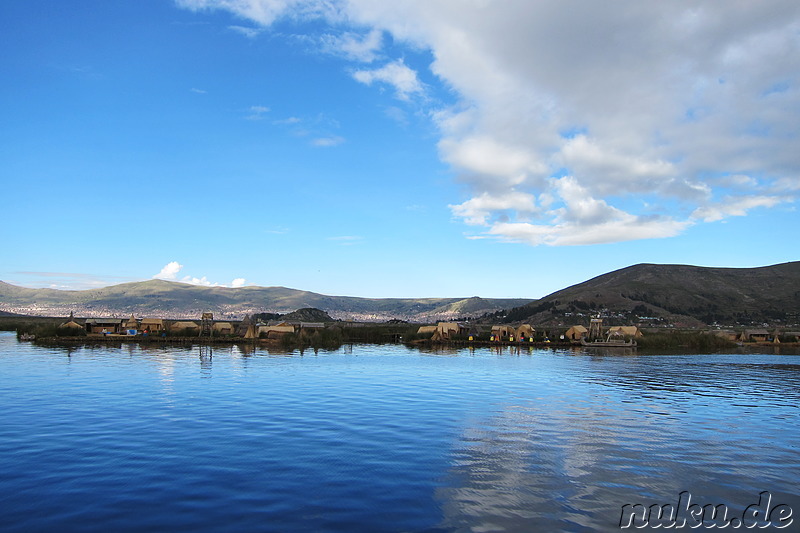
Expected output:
(170, 271)
(647, 107)
(318, 130)
(355, 46)
(612, 170)
(203, 282)
(477, 210)
(642, 101)
(257, 112)
(247, 31)
(495, 164)
(568, 216)
(288, 121)
(328, 141)
(264, 12)
(624, 227)
(736, 207)
(397, 74)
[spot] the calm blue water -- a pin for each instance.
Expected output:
(384, 438)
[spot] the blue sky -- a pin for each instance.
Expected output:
(394, 149)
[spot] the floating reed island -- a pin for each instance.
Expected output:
(332, 333)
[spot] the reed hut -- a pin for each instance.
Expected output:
(224, 328)
(131, 325)
(103, 326)
(187, 326)
(276, 331)
(625, 331)
(525, 332)
(754, 335)
(71, 324)
(426, 330)
(152, 325)
(576, 333)
(502, 332)
(447, 330)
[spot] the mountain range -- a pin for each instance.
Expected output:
(171, 299)
(659, 294)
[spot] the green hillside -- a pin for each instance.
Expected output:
(683, 294)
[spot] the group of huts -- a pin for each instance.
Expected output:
(446, 331)
(441, 332)
(450, 331)
(187, 328)
(759, 335)
(151, 326)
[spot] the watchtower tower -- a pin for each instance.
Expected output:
(207, 324)
(595, 328)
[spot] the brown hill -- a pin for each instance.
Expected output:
(170, 299)
(681, 294)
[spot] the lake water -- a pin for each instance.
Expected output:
(385, 438)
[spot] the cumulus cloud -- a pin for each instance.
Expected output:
(567, 216)
(397, 74)
(478, 210)
(172, 269)
(203, 282)
(660, 114)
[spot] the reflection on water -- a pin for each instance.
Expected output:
(206, 358)
(243, 350)
(384, 438)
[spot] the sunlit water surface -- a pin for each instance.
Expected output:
(384, 438)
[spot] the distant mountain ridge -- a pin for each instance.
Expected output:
(679, 294)
(180, 300)
(682, 294)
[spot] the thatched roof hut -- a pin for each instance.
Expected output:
(131, 323)
(185, 325)
(224, 328)
(754, 335)
(525, 331)
(103, 325)
(576, 333)
(625, 331)
(500, 332)
(426, 330)
(277, 331)
(152, 324)
(446, 330)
